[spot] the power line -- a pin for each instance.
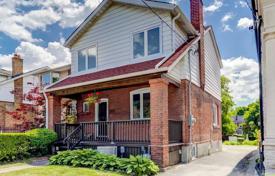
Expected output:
(163, 20)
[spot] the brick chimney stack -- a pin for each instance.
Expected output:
(17, 70)
(196, 9)
(17, 65)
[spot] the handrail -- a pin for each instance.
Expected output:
(72, 138)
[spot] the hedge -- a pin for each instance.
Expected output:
(135, 165)
(15, 146)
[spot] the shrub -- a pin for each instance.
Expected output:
(13, 146)
(135, 165)
(40, 140)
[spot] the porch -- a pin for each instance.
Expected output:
(113, 133)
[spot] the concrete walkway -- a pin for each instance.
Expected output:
(232, 161)
(34, 163)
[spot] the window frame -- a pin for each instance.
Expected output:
(84, 110)
(215, 111)
(140, 92)
(145, 30)
(50, 73)
(86, 59)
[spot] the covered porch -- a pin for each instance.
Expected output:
(143, 111)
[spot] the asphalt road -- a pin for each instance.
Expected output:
(232, 161)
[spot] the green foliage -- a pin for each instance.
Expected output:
(228, 126)
(252, 119)
(245, 142)
(40, 140)
(135, 165)
(13, 146)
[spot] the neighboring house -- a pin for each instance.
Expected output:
(17, 84)
(136, 55)
(4, 75)
(238, 120)
(264, 15)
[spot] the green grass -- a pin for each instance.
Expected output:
(245, 142)
(15, 163)
(59, 171)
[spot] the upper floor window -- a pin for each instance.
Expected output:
(146, 43)
(87, 59)
(49, 78)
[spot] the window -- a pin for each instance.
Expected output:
(146, 43)
(55, 77)
(140, 104)
(87, 59)
(46, 79)
(85, 107)
(215, 115)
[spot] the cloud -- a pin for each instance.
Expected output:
(36, 56)
(243, 73)
(243, 4)
(217, 4)
(19, 24)
(245, 23)
(226, 27)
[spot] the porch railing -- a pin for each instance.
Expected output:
(175, 131)
(128, 131)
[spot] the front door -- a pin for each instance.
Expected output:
(102, 118)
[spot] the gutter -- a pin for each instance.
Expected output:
(173, 29)
(47, 108)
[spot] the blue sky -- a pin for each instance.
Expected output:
(37, 28)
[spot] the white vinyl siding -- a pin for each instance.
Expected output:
(180, 37)
(113, 32)
(212, 68)
(181, 69)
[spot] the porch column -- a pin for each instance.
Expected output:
(54, 110)
(159, 121)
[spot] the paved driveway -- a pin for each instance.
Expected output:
(232, 161)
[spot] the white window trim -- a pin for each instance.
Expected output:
(86, 60)
(146, 56)
(83, 107)
(97, 106)
(215, 115)
(141, 92)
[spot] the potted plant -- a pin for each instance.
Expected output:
(71, 119)
(93, 98)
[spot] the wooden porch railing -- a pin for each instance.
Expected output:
(128, 131)
(175, 131)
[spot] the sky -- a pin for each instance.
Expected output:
(37, 29)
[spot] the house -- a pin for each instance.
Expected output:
(155, 76)
(4, 74)
(264, 25)
(17, 83)
(238, 120)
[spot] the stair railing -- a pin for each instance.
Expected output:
(74, 138)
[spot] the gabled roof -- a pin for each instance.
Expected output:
(5, 72)
(89, 21)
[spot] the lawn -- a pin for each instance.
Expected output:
(58, 171)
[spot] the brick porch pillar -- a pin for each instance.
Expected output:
(54, 110)
(159, 121)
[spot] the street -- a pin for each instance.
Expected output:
(232, 161)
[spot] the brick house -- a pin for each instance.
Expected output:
(14, 84)
(158, 75)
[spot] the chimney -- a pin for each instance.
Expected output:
(196, 9)
(17, 70)
(17, 65)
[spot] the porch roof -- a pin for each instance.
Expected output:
(109, 73)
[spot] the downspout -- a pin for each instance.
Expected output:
(190, 97)
(173, 29)
(47, 116)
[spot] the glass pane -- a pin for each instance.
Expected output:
(46, 79)
(146, 105)
(138, 45)
(55, 77)
(81, 60)
(153, 41)
(92, 58)
(136, 106)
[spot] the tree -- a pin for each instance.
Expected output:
(252, 119)
(31, 114)
(228, 126)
